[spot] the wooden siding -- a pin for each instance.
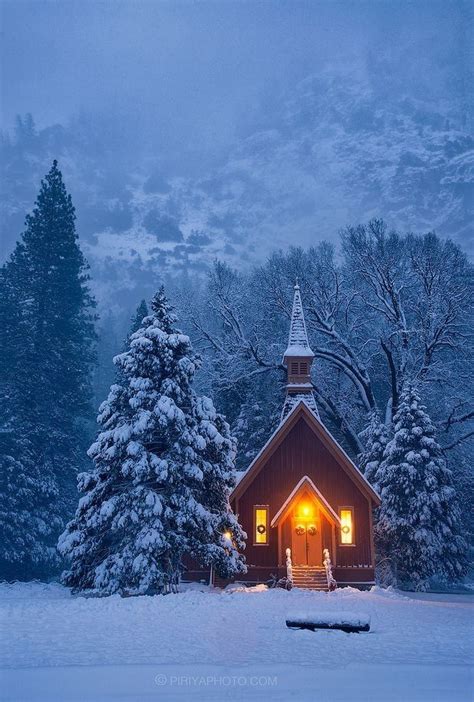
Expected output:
(303, 453)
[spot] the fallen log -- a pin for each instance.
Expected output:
(348, 622)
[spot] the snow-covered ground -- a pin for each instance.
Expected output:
(232, 645)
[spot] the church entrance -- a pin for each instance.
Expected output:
(306, 546)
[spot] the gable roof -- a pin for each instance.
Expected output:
(293, 398)
(302, 410)
(305, 484)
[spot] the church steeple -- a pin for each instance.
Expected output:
(298, 344)
(298, 358)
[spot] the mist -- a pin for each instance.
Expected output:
(188, 131)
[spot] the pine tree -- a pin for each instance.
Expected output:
(418, 523)
(257, 420)
(163, 471)
(136, 321)
(48, 330)
(135, 324)
(375, 438)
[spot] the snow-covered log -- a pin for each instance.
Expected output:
(350, 622)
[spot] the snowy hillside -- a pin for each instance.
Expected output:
(337, 148)
(233, 645)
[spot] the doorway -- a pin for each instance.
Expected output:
(306, 541)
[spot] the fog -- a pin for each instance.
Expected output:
(189, 78)
(254, 124)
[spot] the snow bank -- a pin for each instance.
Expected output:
(55, 647)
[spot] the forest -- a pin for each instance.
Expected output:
(389, 318)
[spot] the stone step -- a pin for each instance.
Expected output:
(309, 577)
(311, 587)
(309, 570)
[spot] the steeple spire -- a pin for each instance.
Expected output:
(298, 344)
(298, 358)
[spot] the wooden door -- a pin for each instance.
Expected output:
(299, 554)
(306, 542)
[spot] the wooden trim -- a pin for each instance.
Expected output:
(280, 554)
(304, 483)
(371, 529)
(302, 410)
(267, 533)
(353, 543)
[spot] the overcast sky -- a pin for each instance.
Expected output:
(193, 70)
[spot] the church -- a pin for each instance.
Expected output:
(303, 499)
(305, 506)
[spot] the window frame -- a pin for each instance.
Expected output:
(267, 519)
(347, 508)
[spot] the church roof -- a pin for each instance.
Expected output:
(298, 344)
(299, 409)
(293, 399)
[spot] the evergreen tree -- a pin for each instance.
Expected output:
(108, 345)
(375, 438)
(258, 418)
(135, 324)
(136, 321)
(163, 471)
(47, 353)
(418, 524)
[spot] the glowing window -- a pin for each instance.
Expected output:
(261, 525)
(347, 525)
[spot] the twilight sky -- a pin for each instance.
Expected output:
(189, 131)
(193, 76)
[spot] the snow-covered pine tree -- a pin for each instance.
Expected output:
(418, 523)
(375, 438)
(163, 471)
(47, 353)
(135, 324)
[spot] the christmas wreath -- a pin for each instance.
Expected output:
(300, 530)
(311, 530)
(345, 529)
(261, 528)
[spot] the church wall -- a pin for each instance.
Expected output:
(303, 453)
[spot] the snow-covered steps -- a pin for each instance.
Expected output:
(310, 578)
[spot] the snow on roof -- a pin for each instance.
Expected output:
(292, 400)
(305, 482)
(239, 474)
(298, 344)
